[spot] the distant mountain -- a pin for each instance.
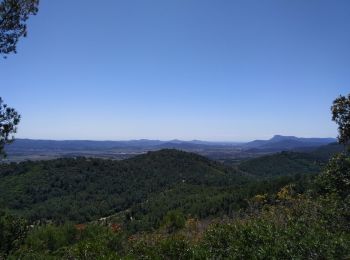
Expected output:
(21, 145)
(74, 145)
(29, 149)
(280, 143)
(184, 145)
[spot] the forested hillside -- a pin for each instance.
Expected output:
(282, 164)
(171, 204)
(144, 188)
(84, 189)
(199, 209)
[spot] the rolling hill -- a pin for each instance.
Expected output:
(167, 201)
(282, 164)
(304, 160)
(84, 189)
(145, 187)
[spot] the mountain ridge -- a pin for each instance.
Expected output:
(30, 149)
(279, 142)
(108, 144)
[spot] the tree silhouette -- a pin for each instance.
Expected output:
(9, 119)
(341, 115)
(13, 17)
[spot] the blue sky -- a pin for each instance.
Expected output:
(189, 69)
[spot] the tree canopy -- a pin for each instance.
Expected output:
(9, 119)
(341, 115)
(13, 17)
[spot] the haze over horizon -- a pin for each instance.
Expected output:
(224, 71)
(175, 139)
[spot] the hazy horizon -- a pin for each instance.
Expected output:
(214, 71)
(172, 139)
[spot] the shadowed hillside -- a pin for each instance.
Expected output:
(83, 189)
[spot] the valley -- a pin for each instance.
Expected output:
(27, 149)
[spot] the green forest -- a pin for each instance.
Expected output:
(176, 205)
(82, 190)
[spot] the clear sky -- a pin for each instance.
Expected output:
(224, 70)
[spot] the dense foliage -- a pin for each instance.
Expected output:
(311, 223)
(199, 202)
(341, 115)
(13, 17)
(13, 230)
(137, 192)
(9, 119)
(85, 189)
(282, 164)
